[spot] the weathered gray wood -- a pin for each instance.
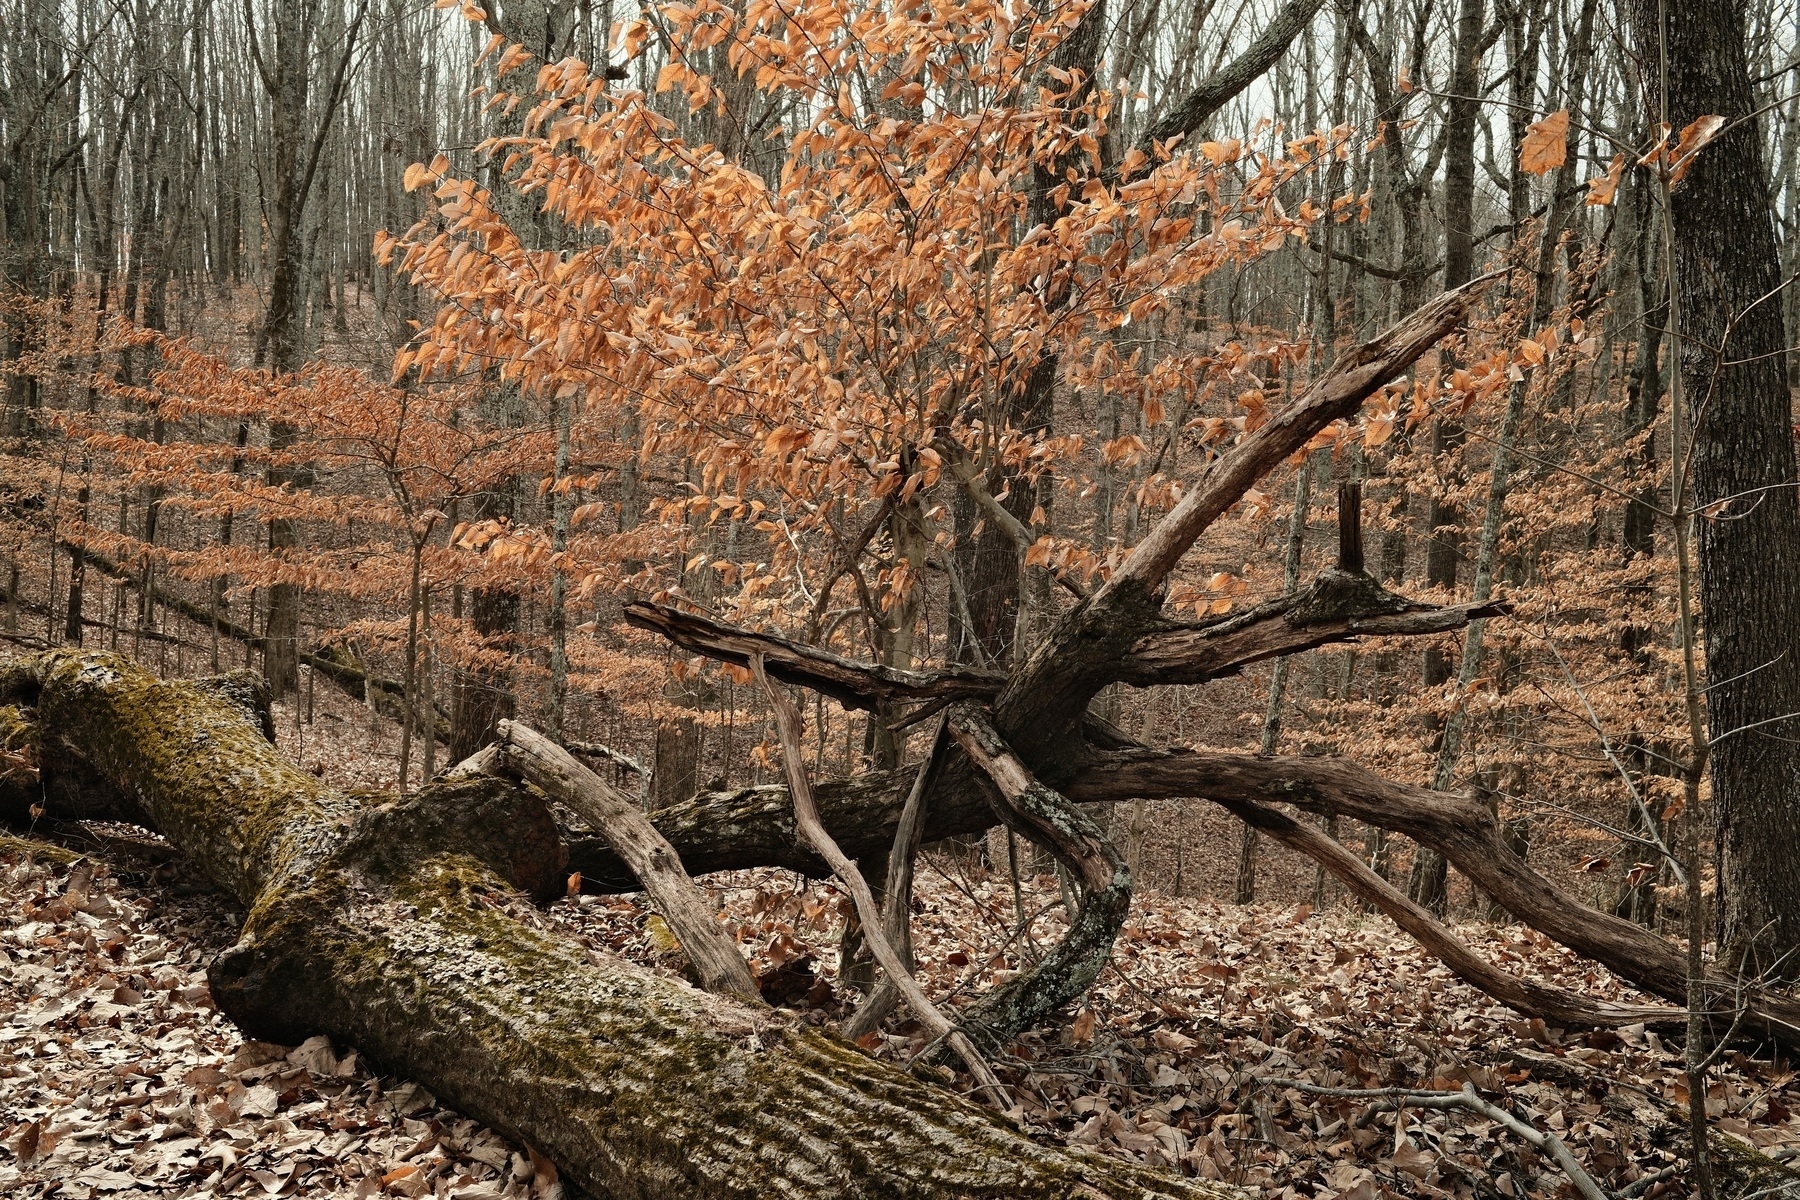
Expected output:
(806, 816)
(383, 923)
(555, 771)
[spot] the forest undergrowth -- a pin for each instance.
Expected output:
(118, 1077)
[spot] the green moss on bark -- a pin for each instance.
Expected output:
(385, 925)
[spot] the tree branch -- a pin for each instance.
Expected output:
(1338, 607)
(1455, 825)
(1048, 819)
(1356, 375)
(850, 683)
(1523, 995)
(555, 772)
(806, 816)
(1226, 84)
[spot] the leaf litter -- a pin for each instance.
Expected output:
(119, 1078)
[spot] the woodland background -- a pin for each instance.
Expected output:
(300, 375)
(220, 174)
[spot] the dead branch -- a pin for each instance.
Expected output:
(1522, 995)
(850, 683)
(1048, 819)
(1457, 826)
(1337, 607)
(1356, 376)
(556, 772)
(806, 816)
(896, 908)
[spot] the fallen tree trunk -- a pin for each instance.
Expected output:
(385, 924)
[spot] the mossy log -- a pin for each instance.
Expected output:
(388, 924)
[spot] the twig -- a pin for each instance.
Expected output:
(1638, 1187)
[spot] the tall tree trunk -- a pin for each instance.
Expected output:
(285, 64)
(1733, 365)
(1429, 883)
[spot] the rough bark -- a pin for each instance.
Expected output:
(1733, 366)
(384, 924)
(1079, 845)
(1227, 83)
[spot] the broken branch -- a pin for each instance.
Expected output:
(556, 772)
(806, 816)
(850, 683)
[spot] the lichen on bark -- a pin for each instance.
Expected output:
(386, 924)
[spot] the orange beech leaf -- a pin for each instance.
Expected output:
(1545, 146)
(1694, 138)
(1603, 188)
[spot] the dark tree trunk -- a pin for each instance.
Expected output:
(1733, 367)
(285, 63)
(1429, 884)
(483, 695)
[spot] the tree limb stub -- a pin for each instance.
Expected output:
(384, 924)
(556, 772)
(850, 683)
(789, 726)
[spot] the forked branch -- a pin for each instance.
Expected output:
(806, 816)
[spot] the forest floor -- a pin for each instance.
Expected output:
(119, 1078)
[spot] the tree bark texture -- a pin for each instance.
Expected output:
(1733, 363)
(388, 924)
